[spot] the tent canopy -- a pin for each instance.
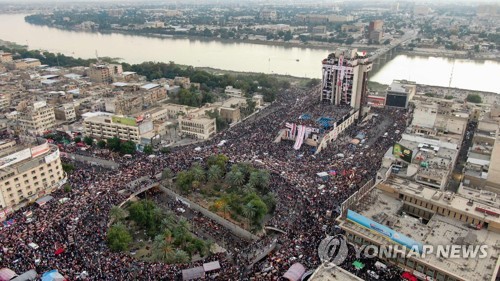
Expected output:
(52, 275)
(6, 274)
(322, 174)
(27, 276)
(44, 200)
(295, 272)
(209, 266)
(193, 273)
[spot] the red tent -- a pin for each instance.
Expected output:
(59, 251)
(408, 276)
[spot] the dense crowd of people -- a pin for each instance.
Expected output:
(305, 203)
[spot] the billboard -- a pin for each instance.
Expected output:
(15, 158)
(124, 120)
(401, 152)
(52, 157)
(40, 149)
(385, 231)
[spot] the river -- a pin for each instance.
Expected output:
(245, 57)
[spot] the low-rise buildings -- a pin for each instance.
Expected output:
(65, 112)
(198, 128)
(5, 57)
(399, 93)
(398, 215)
(104, 72)
(22, 64)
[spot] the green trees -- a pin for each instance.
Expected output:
(127, 147)
(148, 149)
(77, 140)
(184, 181)
(101, 144)
(198, 173)
(118, 238)
(88, 140)
(116, 145)
(68, 168)
(147, 215)
(116, 213)
(474, 98)
(235, 178)
(215, 173)
(167, 174)
(113, 144)
(259, 180)
(219, 160)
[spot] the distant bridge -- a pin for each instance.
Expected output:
(388, 52)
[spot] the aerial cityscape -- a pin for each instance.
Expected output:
(249, 140)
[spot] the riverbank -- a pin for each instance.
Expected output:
(328, 47)
(450, 54)
(440, 92)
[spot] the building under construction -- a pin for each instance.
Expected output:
(345, 78)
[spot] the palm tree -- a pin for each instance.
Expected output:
(214, 173)
(181, 256)
(235, 178)
(168, 221)
(226, 208)
(162, 247)
(116, 213)
(166, 174)
(249, 212)
(183, 223)
(198, 173)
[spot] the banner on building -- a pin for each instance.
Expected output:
(40, 149)
(15, 158)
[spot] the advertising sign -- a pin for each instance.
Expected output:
(15, 158)
(52, 157)
(39, 150)
(401, 152)
(384, 230)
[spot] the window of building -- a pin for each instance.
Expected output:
(25, 175)
(430, 272)
(7, 183)
(16, 179)
(440, 276)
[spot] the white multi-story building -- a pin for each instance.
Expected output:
(345, 78)
(27, 172)
(124, 128)
(200, 128)
(36, 119)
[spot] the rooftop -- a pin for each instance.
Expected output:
(150, 86)
(440, 230)
(333, 273)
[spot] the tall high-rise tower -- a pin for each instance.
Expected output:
(345, 78)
